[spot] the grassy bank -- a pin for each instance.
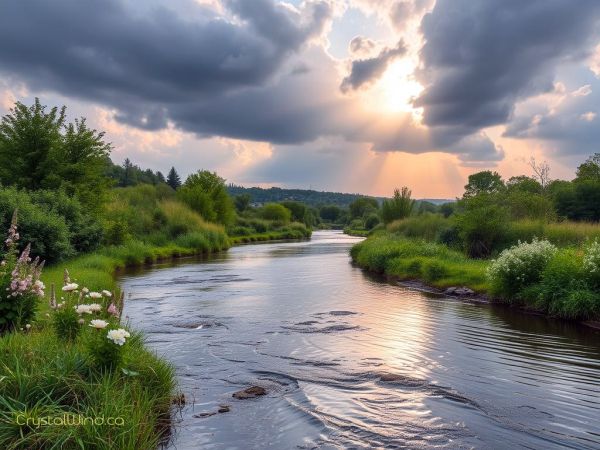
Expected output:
(538, 275)
(409, 259)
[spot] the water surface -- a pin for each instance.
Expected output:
(349, 361)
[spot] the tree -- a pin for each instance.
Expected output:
(524, 183)
(40, 150)
(160, 177)
(485, 182)
(399, 207)
(447, 209)
(276, 213)
(541, 172)
(297, 209)
(242, 202)
(173, 179)
(589, 170)
(362, 206)
(129, 178)
(330, 212)
(205, 192)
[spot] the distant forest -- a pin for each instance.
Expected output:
(309, 197)
(129, 174)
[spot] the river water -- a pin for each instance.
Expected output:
(349, 361)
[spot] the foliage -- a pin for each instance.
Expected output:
(205, 193)
(40, 150)
(46, 230)
(330, 212)
(242, 202)
(485, 182)
(371, 221)
(482, 225)
(399, 207)
(130, 174)
(363, 206)
(519, 267)
(275, 212)
(309, 197)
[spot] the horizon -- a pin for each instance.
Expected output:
(331, 95)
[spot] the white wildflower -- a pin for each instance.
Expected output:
(70, 287)
(118, 336)
(106, 293)
(83, 309)
(98, 324)
(95, 295)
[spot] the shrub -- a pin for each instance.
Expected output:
(519, 267)
(371, 221)
(482, 226)
(276, 213)
(45, 230)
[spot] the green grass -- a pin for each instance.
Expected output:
(270, 236)
(40, 377)
(357, 233)
(406, 259)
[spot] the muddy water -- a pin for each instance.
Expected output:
(352, 362)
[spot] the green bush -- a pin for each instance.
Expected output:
(371, 221)
(276, 213)
(45, 229)
(482, 226)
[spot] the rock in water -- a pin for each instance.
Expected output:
(251, 392)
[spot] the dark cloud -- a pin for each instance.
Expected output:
(481, 57)
(365, 71)
(572, 127)
(153, 67)
(361, 45)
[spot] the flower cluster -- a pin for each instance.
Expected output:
(520, 265)
(591, 258)
(118, 336)
(20, 284)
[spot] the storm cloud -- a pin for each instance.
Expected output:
(481, 57)
(150, 67)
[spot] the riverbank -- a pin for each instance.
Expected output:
(536, 276)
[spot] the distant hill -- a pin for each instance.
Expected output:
(308, 196)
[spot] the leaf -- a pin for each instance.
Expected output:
(129, 373)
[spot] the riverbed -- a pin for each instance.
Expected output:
(350, 361)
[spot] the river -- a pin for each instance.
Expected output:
(349, 361)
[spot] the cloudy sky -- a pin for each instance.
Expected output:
(345, 95)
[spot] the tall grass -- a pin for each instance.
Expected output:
(427, 226)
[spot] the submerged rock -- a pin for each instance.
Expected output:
(224, 409)
(251, 392)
